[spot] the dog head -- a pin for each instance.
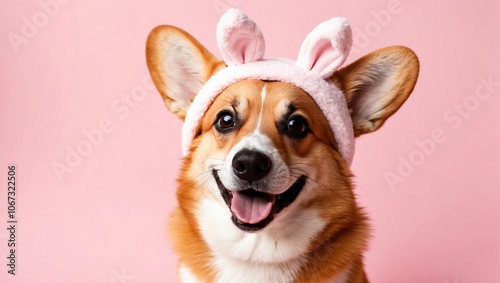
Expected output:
(268, 142)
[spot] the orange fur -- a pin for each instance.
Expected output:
(187, 241)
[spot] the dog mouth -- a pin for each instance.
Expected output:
(253, 210)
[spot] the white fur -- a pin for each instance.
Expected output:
(271, 255)
(262, 98)
(241, 273)
(185, 275)
(237, 271)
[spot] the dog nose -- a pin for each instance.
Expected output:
(251, 165)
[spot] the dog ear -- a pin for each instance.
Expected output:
(376, 85)
(179, 66)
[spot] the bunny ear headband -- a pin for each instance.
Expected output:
(242, 46)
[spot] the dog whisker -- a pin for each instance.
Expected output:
(319, 184)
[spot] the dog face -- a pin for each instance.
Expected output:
(263, 143)
(265, 162)
(263, 180)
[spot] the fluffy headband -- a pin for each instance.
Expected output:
(242, 46)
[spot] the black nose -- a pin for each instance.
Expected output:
(251, 165)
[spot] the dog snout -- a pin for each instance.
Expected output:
(251, 165)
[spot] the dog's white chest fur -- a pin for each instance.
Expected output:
(273, 255)
(235, 271)
(240, 272)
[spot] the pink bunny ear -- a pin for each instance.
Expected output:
(327, 46)
(239, 38)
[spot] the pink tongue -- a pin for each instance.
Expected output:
(251, 208)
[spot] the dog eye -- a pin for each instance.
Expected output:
(297, 127)
(225, 121)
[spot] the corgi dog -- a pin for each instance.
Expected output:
(265, 192)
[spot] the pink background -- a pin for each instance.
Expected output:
(429, 178)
